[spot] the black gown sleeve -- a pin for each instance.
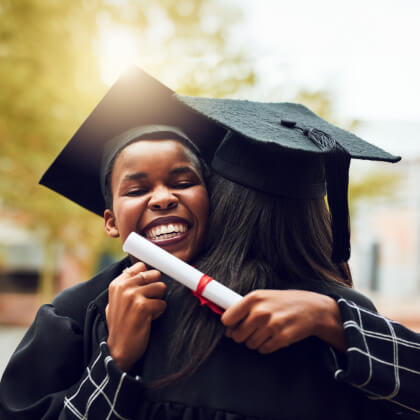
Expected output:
(382, 357)
(47, 377)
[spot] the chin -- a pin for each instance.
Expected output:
(183, 255)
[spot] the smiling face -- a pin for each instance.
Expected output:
(158, 192)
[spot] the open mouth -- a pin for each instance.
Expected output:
(167, 230)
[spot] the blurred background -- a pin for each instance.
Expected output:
(354, 63)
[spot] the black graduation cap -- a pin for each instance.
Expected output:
(135, 99)
(277, 148)
(285, 149)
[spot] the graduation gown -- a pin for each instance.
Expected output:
(382, 359)
(62, 369)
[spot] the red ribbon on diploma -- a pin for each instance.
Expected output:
(198, 293)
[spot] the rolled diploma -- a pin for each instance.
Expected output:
(172, 266)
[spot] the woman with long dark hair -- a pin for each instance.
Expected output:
(257, 241)
(269, 230)
(265, 248)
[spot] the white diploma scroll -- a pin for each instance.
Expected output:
(172, 266)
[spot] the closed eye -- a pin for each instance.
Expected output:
(184, 185)
(136, 192)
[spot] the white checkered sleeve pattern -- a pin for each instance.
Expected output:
(105, 392)
(382, 357)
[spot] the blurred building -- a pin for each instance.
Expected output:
(21, 261)
(21, 257)
(386, 239)
(386, 231)
(24, 283)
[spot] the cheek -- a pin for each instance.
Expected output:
(128, 211)
(200, 207)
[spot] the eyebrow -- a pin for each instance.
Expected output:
(181, 170)
(135, 176)
(141, 175)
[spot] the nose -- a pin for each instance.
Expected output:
(163, 199)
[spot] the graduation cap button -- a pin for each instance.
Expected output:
(288, 123)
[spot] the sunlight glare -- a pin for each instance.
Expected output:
(117, 52)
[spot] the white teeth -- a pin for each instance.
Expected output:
(166, 231)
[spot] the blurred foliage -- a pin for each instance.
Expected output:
(50, 80)
(318, 101)
(376, 183)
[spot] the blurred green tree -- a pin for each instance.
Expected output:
(51, 78)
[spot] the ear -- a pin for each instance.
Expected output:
(111, 227)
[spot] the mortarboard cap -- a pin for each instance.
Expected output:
(278, 148)
(285, 149)
(136, 99)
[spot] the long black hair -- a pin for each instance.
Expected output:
(254, 241)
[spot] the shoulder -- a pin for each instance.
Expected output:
(73, 302)
(341, 291)
(337, 291)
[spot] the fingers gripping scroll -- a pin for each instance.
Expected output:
(135, 299)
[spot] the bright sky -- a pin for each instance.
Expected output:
(367, 52)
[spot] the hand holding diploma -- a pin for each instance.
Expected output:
(135, 299)
(267, 320)
(172, 266)
(264, 320)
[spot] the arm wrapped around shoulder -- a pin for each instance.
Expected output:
(382, 357)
